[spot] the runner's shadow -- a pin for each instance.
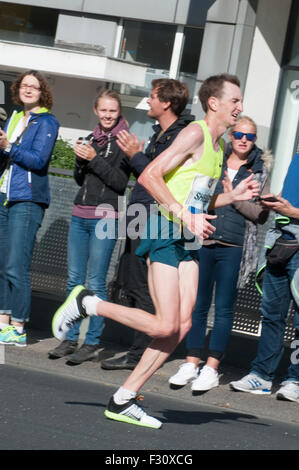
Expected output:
(199, 417)
(86, 403)
(191, 417)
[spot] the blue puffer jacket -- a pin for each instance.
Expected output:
(28, 171)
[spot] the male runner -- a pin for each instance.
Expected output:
(167, 103)
(182, 177)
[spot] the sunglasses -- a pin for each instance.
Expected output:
(249, 136)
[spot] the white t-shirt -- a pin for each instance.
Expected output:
(15, 134)
(231, 173)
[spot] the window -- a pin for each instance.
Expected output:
(191, 50)
(285, 128)
(150, 43)
(23, 23)
(291, 53)
(7, 103)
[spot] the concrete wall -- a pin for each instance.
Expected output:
(265, 64)
(227, 42)
(192, 12)
(87, 34)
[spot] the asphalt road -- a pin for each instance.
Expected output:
(45, 411)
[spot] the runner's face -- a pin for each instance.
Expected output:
(230, 105)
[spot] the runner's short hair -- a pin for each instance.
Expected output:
(213, 86)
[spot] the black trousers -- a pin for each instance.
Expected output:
(134, 281)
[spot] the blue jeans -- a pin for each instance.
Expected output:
(89, 256)
(275, 305)
(19, 224)
(218, 264)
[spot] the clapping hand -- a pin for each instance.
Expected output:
(247, 189)
(3, 139)
(129, 144)
(84, 151)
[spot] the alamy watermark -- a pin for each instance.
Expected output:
(294, 86)
(139, 221)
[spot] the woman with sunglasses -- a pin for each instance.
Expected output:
(227, 258)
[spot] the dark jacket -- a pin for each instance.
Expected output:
(156, 146)
(231, 220)
(104, 178)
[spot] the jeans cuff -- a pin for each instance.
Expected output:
(194, 353)
(216, 354)
(19, 320)
(258, 374)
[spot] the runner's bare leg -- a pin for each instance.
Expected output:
(174, 294)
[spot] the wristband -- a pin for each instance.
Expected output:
(179, 215)
(8, 148)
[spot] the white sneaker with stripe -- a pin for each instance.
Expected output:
(252, 383)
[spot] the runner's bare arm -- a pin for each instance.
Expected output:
(187, 143)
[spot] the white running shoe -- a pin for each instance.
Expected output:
(253, 384)
(208, 378)
(131, 413)
(70, 311)
(186, 372)
(288, 391)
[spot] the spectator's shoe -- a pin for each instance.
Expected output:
(10, 335)
(185, 374)
(70, 312)
(63, 349)
(131, 413)
(207, 379)
(123, 362)
(253, 384)
(288, 391)
(87, 352)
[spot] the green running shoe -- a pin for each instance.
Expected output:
(131, 413)
(70, 312)
(10, 335)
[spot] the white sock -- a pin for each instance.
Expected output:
(3, 325)
(90, 303)
(123, 395)
(20, 329)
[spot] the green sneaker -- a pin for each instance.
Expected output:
(70, 312)
(10, 335)
(131, 413)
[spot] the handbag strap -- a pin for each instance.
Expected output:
(18, 139)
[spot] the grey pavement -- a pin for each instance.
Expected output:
(35, 356)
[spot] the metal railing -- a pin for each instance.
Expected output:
(49, 264)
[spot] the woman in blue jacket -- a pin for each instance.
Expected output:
(26, 147)
(227, 258)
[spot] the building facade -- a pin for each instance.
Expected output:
(83, 45)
